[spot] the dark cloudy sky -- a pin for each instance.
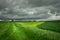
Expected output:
(30, 9)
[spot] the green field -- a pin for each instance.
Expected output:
(31, 30)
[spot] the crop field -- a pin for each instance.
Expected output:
(30, 30)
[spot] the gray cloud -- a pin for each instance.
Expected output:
(29, 9)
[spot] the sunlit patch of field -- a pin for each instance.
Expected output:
(30, 24)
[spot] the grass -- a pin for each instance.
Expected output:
(40, 34)
(29, 24)
(29, 30)
(52, 26)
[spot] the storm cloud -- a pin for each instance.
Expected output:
(30, 9)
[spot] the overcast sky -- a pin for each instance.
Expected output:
(30, 9)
